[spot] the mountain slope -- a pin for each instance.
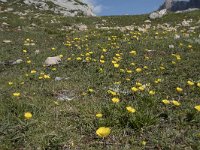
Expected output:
(64, 7)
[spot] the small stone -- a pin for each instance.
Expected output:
(18, 61)
(52, 61)
(7, 41)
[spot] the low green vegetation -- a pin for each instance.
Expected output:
(143, 91)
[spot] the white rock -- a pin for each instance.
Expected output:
(7, 41)
(158, 14)
(171, 46)
(81, 27)
(52, 61)
(177, 36)
(18, 61)
(65, 7)
(147, 21)
(37, 51)
(185, 23)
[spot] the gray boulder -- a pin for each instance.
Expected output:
(158, 14)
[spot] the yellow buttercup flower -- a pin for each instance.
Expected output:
(102, 61)
(197, 107)
(53, 48)
(33, 71)
(16, 94)
(10, 83)
(112, 92)
(138, 84)
(141, 88)
(99, 115)
(133, 52)
(115, 100)
(190, 83)
(103, 131)
(134, 89)
(24, 51)
(46, 76)
(130, 109)
(116, 65)
(138, 70)
(198, 84)
(178, 89)
(28, 61)
(129, 71)
(91, 90)
(152, 92)
(165, 101)
(27, 115)
(176, 103)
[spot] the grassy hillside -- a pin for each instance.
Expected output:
(98, 68)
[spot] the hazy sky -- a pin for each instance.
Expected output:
(122, 7)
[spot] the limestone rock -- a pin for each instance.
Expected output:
(158, 14)
(52, 61)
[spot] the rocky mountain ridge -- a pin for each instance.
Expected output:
(178, 5)
(64, 7)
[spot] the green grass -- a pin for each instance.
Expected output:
(72, 124)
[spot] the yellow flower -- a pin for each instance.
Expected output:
(165, 101)
(134, 89)
(152, 92)
(78, 58)
(69, 59)
(46, 76)
(91, 90)
(162, 68)
(24, 51)
(176, 103)
(16, 94)
(130, 109)
(102, 61)
(157, 81)
(129, 71)
(122, 70)
(10, 83)
(40, 77)
(132, 64)
(115, 100)
(53, 69)
(99, 115)
(198, 84)
(141, 88)
(197, 107)
(173, 62)
(103, 132)
(138, 84)
(27, 115)
(28, 61)
(190, 83)
(133, 52)
(112, 92)
(53, 48)
(143, 143)
(33, 71)
(178, 89)
(116, 65)
(138, 70)
(61, 56)
(104, 50)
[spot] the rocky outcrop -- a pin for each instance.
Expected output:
(65, 7)
(177, 5)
